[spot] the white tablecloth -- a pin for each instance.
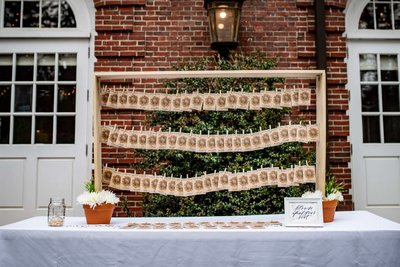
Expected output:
(354, 239)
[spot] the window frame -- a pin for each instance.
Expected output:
(380, 113)
(33, 114)
(83, 25)
(353, 13)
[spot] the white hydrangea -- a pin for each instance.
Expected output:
(335, 195)
(309, 194)
(97, 198)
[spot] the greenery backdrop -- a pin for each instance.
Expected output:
(256, 201)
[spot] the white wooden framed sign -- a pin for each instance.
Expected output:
(304, 212)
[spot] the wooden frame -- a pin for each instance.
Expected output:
(318, 75)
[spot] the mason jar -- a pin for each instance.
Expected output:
(56, 212)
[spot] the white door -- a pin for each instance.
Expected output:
(373, 71)
(43, 125)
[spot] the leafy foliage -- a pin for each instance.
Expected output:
(331, 186)
(255, 201)
(89, 186)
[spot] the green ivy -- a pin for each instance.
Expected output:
(256, 201)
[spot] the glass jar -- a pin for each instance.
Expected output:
(56, 212)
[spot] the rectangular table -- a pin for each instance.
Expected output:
(356, 238)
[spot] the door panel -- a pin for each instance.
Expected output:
(382, 178)
(54, 179)
(373, 81)
(44, 126)
(12, 183)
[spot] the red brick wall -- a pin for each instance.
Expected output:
(142, 35)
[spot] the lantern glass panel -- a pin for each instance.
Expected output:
(225, 24)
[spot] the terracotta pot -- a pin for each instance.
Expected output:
(101, 214)
(329, 208)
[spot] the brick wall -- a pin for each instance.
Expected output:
(143, 35)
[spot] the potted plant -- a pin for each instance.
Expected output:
(98, 206)
(333, 194)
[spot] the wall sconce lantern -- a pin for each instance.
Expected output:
(223, 17)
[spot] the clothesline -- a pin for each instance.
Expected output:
(206, 143)
(205, 101)
(223, 180)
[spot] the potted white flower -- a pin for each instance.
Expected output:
(98, 206)
(333, 194)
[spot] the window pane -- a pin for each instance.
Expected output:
(65, 130)
(5, 98)
(23, 98)
(12, 14)
(5, 67)
(4, 130)
(53, 14)
(367, 18)
(67, 67)
(67, 16)
(44, 130)
(45, 67)
(390, 98)
(383, 17)
(225, 25)
(389, 68)
(22, 130)
(397, 16)
(45, 98)
(24, 67)
(391, 126)
(66, 98)
(369, 98)
(371, 133)
(50, 14)
(31, 14)
(368, 67)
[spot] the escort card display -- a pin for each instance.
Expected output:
(216, 181)
(209, 143)
(205, 101)
(205, 142)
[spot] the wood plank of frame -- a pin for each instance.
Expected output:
(210, 74)
(96, 135)
(321, 122)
